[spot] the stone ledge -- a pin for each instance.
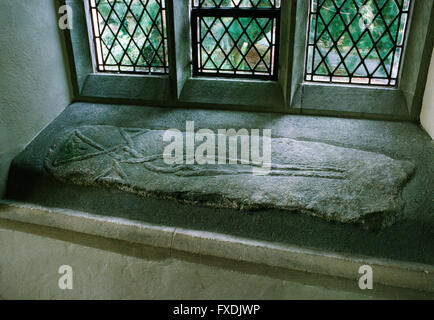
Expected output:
(386, 272)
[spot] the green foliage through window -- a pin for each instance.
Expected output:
(130, 35)
(237, 38)
(267, 4)
(356, 41)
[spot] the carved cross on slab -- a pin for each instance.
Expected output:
(334, 183)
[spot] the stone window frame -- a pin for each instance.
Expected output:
(289, 94)
(398, 103)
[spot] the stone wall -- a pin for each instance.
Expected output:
(102, 268)
(30, 264)
(33, 82)
(427, 115)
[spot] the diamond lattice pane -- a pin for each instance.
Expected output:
(130, 36)
(236, 3)
(356, 41)
(229, 44)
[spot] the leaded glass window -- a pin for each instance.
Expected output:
(130, 36)
(356, 41)
(236, 38)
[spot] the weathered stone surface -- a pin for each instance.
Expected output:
(335, 183)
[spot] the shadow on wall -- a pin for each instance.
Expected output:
(5, 161)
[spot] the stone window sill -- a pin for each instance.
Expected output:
(357, 101)
(94, 207)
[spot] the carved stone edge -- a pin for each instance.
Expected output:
(175, 240)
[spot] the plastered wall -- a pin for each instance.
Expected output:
(427, 115)
(33, 76)
(31, 257)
